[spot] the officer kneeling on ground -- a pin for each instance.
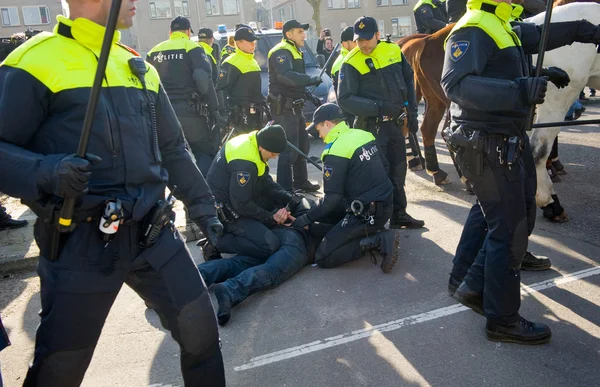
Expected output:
(354, 180)
(44, 88)
(244, 190)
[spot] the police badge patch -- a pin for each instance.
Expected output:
(222, 74)
(281, 58)
(243, 178)
(327, 171)
(458, 49)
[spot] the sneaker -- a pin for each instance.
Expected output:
(400, 220)
(521, 332)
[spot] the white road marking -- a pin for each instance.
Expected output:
(345, 338)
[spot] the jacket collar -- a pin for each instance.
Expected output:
(84, 31)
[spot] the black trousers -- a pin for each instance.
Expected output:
(392, 145)
(79, 288)
(502, 194)
(291, 168)
(342, 243)
(203, 139)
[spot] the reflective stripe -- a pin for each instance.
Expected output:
(385, 54)
(177, 41)
(496, 25)
(285, 45)
(337, 65)
(208, 51)
(245, 147)
(423, 2)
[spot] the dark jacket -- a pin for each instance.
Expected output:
(239, 81)
(287, 73)
(44, 90)
(430, 16)
(352, 169)
(239, 177)
(184, 69)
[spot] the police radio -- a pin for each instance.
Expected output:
(111, 219)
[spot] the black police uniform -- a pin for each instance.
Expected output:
(430, 16)
(186, 75)
(353, 175)
(486, 76)
(243, 187)
(455, 9)
(239, 91)
(287, 93)
(377, 88)
(44, 89)
(214, 71)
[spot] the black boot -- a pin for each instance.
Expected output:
(307, 186)
(386, 243)
(453, 284)
(209, 252)
(7, 222)
(521, 332)
(468, 297)
(224, 304)
(402, 219)
(533, 263)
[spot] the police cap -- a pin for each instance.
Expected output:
(181, 23)
(327, 112)
(291, 24)
(272, 138)
(365, 27)
(347, 34)
(245, 33)
(205, 33)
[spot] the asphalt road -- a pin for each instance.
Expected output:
(355, 326)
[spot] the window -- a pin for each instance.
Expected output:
(353, 3)
(336, 4)
(35, 15)
(381, 27)
(401, 26)
(383, 3)
(10, 16)
(231, 7)
(399, 2)
(212, 7)
(160, 9)
(182, 8)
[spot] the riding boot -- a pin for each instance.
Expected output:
(386, 243)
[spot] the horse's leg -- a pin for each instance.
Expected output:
(433, 115)
(413, 154)
(546, 198)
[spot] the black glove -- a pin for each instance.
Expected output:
(301, 221)
(389, 109)
(413, 123)
(316, 80)
(533, 89)
(556, 75)
(219, 120)
(211, 228)
(66, 176)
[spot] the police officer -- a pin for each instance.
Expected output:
(379, 108)
(239, 85)
(430, 16)
(205, 40)
(354, 181)
(186, 73)
(486, 76)
(229, 48)
(287, 94)
(348, 44)
(251, 202)
(455, 9)
(136, 150)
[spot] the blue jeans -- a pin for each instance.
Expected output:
(243, 275)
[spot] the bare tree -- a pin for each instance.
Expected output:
(316, 6)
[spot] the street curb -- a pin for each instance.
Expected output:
(17, 263)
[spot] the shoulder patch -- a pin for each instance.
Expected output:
(131, 50)
(423, 10)
(458, 49)
(281, 58)
(222, 73)
(327, 172)
(243, 178)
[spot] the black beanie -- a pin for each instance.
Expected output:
(272, 138)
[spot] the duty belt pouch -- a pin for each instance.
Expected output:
(276, 103)
(470, 150)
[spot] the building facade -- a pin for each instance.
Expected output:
(19, 15)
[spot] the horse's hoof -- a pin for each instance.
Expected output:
(555, 213)
(439, 177)
(556, 179)
(553, 174)
(559, 167)
(415, 164)
(562, 218)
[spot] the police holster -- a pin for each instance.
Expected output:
(276, 102)
(248, 116)
(226, 213)
(469, 147)
(197, 104)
